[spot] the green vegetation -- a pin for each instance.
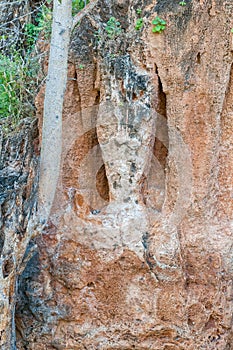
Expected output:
(19, 70)
(159, 25)
(182, 3)
(139, 11)
(78, 5)
(139, 24)
(43, 27)
(113, 28)
(17, 84)
(9, 101)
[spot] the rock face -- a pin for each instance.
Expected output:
(138, 250)
(18, 188)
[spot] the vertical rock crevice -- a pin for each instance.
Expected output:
(155, 181)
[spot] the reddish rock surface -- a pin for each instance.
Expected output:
(138, 250)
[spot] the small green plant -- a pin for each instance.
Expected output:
(78, 5)
(231, 30)
(113, 28)
(182, 3)
(43, 26)
(81, 66)
(159, 25)
(139, 24)
(139, 11)
(31, 34)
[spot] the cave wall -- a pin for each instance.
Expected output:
(138, 250)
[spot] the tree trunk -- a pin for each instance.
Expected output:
(53, 104)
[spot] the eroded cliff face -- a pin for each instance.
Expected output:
(18, 188)
(138, 250)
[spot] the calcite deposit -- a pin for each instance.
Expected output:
(137, 253)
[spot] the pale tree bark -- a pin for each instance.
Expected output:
(53, 104)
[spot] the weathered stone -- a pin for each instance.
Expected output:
(142, 259)
(18, 164)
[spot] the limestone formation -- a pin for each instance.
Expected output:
(137, 253)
